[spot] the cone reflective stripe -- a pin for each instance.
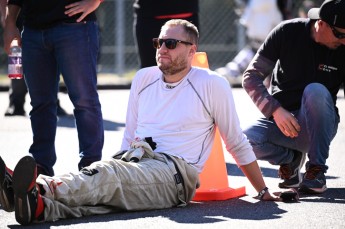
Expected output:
(214, 184)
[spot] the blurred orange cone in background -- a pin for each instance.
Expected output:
(214, 183)
(200, 60)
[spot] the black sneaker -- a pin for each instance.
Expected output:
(60, 111)
(314, 181)
(43, 171)
(6, 189)
(291, 173)
(28, 202)
(15, 111)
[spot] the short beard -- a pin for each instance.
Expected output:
(176, 66)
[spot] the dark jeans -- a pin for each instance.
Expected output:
(319, 121)
(71, 49)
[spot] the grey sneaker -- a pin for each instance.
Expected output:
(314, 181)
(291, 173)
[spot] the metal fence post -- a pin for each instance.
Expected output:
(119, 37)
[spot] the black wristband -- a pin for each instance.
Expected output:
(262, 193)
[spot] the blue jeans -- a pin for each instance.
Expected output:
(319, 121)
(70, 49)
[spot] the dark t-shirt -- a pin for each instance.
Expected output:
(301, 61)
(42, 14)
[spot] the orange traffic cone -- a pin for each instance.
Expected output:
(214, 177)
(214, 183)
(200, 60)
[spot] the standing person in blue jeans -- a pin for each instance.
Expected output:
(17, 89)
(59, 35)
(305, 57)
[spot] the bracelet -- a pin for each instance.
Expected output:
(262, 193)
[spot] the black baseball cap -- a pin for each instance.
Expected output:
(331, 11)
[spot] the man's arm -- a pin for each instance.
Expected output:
(224, 113)
(3, 4)
(131, 113)
(11, 31)
(253, 172)
(253, 82)
(259, 68)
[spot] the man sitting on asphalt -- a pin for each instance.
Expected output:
(173, 112)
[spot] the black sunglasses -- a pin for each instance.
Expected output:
(336, 33)
(169, 43)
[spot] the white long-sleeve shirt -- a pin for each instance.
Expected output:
(182, 119)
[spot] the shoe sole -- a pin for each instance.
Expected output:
(306, 189)
(300, 176)
(281, 185)
(5, 202)
(23, 176)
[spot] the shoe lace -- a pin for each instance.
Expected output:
(284, 171)
(8, 181)
(8, 178)
(312, 172)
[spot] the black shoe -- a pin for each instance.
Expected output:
(43, 171)
(28, 202)
(6, 189)
(60, 111)
(15, 110)
(291, 173)
(314, 181)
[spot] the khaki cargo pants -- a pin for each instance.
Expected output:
(115, 185)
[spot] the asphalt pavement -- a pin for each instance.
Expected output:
(312, 211)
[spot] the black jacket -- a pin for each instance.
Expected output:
(293, 60)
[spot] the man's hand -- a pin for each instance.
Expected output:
(85, 7)
(286, 122)
(290, 195)
(271, 196)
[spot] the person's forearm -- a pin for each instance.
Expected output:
(3, 4)
(11, 31)
(13, 11)
(253, 172)
(253, 83)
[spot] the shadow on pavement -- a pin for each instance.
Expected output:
(332, 195)
(203, 212)
(233, 170)
(69, 122)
